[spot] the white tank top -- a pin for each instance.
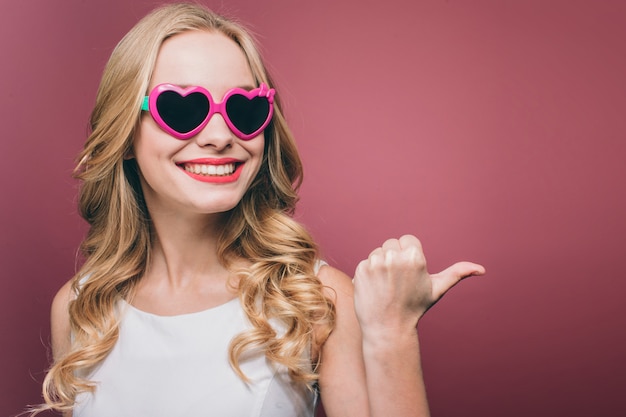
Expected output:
(178, 366)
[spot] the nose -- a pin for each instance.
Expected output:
(216, 134)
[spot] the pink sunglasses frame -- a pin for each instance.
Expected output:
(149, 105)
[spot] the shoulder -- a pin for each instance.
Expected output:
(341, 371)
(339, 289)
(60, 320)
(338, 285)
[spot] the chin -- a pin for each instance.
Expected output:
(223, 207)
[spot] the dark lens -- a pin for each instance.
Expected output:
(248, 115)
(183, 114)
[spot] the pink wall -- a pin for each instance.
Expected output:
(495, 131)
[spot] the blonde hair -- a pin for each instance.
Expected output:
(280, 283)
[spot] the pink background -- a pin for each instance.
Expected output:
(495, 131)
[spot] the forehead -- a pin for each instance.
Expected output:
(207, 59)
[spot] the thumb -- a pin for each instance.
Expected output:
(451, 276)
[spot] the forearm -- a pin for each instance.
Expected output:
(394, 379)
(392, 291)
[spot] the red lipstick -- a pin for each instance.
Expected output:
(206, 169)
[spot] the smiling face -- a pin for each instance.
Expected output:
(211, 171)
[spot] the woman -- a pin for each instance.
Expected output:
(200, 295)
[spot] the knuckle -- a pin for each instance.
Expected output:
(410, 240)
(375, 253)
(361, 266)
(390, 257)
(389, 242)
(415, 257)
(376, 258)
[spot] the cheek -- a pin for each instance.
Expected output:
(256, 150)
(151, 142)
(259, 151)
(141, 133)
(141, 150)
(261, 147)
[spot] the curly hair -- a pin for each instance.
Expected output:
(280, 283)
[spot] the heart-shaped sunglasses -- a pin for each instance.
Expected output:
(184, 112)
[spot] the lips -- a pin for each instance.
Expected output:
(213, 170)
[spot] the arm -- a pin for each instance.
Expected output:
(342, 371)
(60, 325)
(393, 290)
(60, 322)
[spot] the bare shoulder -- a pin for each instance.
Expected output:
(339, 288)
(342, 371)
(60, 320)
(338, 285)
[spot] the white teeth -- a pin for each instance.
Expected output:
(214, 170)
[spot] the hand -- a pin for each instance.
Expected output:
(393, 289)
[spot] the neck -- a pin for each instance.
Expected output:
(184, 248)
